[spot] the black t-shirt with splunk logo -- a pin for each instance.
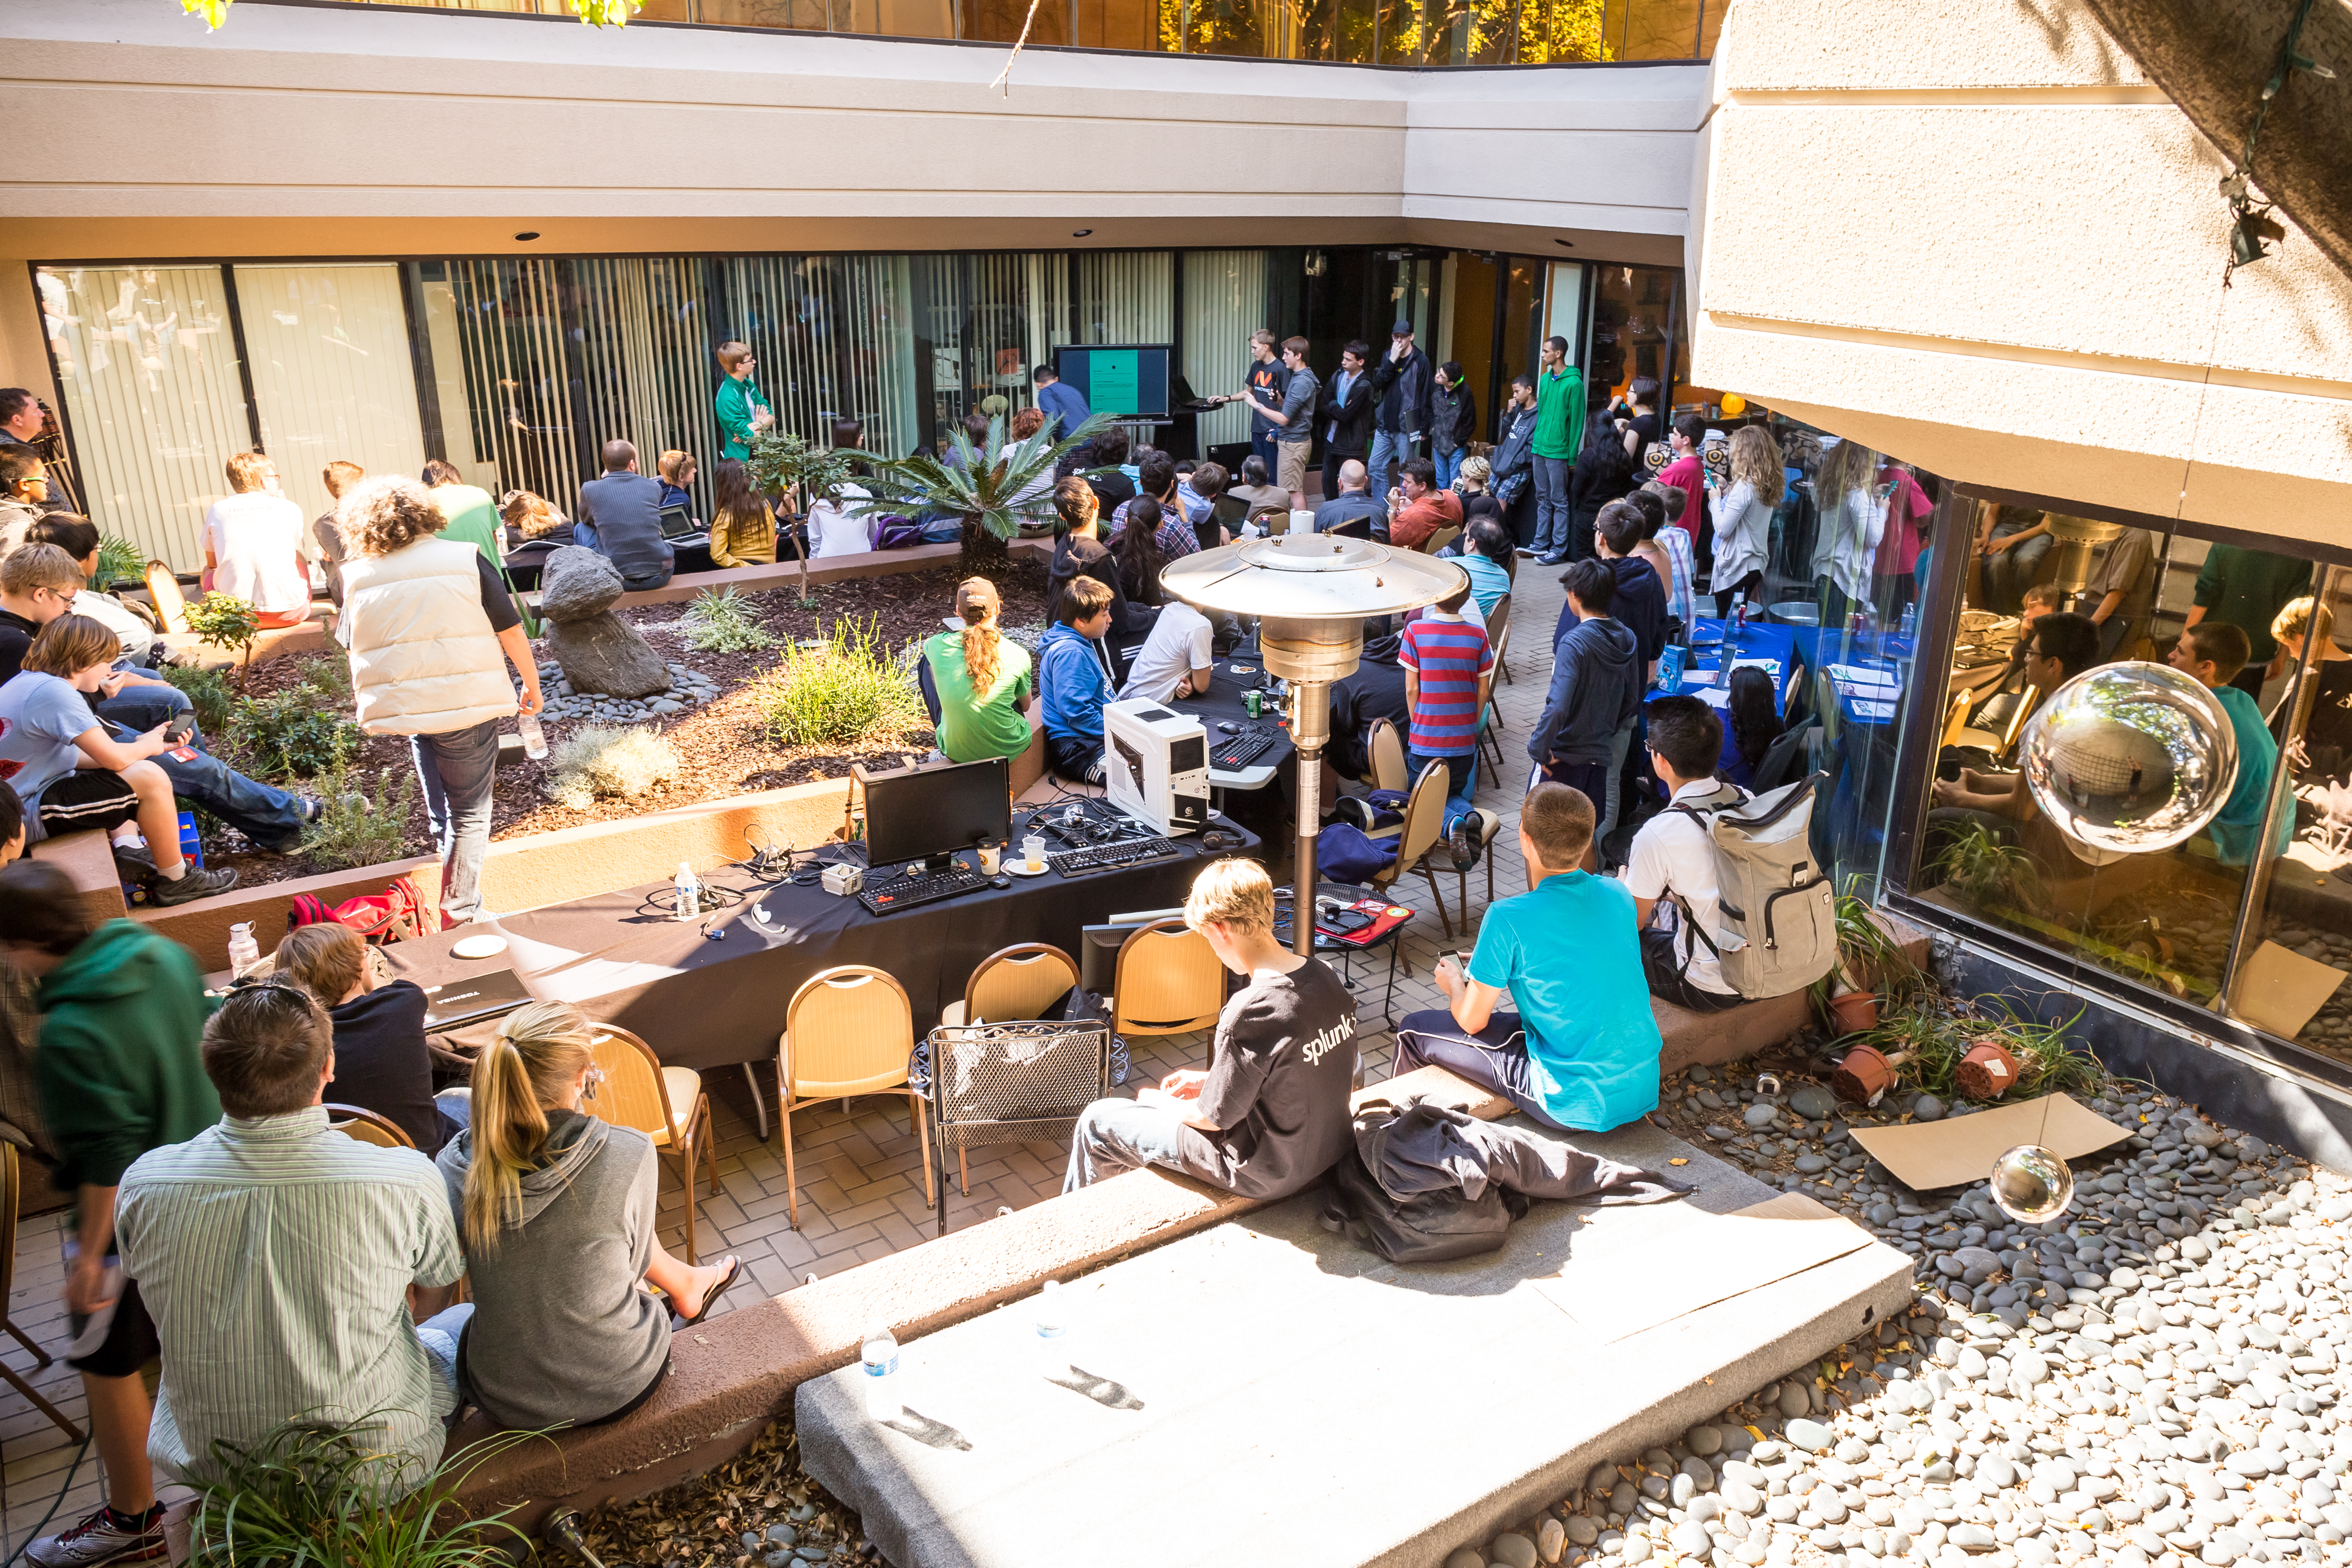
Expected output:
(1286, 1060)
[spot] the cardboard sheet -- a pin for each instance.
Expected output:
(1434, 1083)
(1926, 1155)
(2279, 989)
(1699, 1264)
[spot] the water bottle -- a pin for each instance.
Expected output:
(1910, 620)
(1053, 1332)
(244, 953)
(689, 893)
(535, 739)
(879, 1356)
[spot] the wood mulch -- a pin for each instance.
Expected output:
(722, 749)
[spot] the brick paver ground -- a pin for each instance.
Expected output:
(861, 1180)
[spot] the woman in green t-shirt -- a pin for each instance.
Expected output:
(983, 682)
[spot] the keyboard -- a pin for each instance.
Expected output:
(904, 892)
(1231, 754)
(1110, 857)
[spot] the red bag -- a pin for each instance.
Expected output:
(394, 915)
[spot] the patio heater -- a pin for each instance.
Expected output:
(1309, 594)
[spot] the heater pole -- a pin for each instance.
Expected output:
(1310, 726)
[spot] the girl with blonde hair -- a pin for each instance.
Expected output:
(1743, 516)
(1853, 508)
(556, 1209)
(981, 680)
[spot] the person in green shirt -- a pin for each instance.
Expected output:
(1559, 432)
(2248, 588)
(982, 679)
(2210, 652)
(741, 406)
(473, 517)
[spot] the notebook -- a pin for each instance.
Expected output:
(477, 996)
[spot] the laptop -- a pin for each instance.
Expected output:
(678, 523)
(475, 997)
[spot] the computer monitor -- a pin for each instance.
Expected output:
(928, 814)
(1098, 955)
(1126, 381)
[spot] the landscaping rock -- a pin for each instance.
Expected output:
(1813, 1102)
(599, 652)
(1811, 1437)
(1513, 1550)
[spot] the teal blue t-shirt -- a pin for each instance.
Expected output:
(2241, 822)
(1570, 956)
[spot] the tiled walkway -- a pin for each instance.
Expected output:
(861, 1179)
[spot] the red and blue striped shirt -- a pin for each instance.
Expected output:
(1448, 654)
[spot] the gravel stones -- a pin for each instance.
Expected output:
(1512, 1550)
(688, 687)
(1926, 1108)
(1809, 1434)
(1580, 1529)
(1465, 1558)
(1704, 1440)
(1761, 1115)
(1813, 1102)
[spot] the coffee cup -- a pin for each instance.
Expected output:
(990, 853)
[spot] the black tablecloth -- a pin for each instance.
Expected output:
(701, 1003)
(1224, 701)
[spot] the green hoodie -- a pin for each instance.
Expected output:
(733, 405)
(120, 1069)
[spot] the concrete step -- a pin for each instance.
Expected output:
(1268, 1392)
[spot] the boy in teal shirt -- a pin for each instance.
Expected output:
(741, 407)
(2213, 653)
(1581, 1052)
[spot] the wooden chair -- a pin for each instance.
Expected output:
(357, 1121)
(1011, 984)
(1386, 749)
(1168, 982)
(1440, 540)
(1490, 719)
(171, 605)
(1424, 819)
(1498, 623)
(665, 1103)
(848, 1031)
(10, 1179)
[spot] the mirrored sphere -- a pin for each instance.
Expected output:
(2032, 1184)
(2128, 758)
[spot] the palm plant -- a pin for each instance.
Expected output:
(780, 461)
(992, 496)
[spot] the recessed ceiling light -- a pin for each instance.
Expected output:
(1080, 233)
(1570, 243)
(528, 234)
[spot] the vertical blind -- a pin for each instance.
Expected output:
(648, 368)
(1224, 303)
(834, 337)
(148, 364)
(327, 351)
(517, 409)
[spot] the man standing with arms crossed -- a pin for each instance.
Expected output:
(1560, 431)
(1401, 385)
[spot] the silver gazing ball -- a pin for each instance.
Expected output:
(2032, 1184)
(2129, 758)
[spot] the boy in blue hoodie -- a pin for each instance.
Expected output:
(1074, 679)
(2213, 653)
(1596, 688)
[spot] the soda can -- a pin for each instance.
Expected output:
(1255, 701)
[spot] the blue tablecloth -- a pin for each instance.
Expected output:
(1798, 648)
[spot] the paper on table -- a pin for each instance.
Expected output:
(1927, 1155)
(2279, 989)
(1769, 666)
(1873, 709)
(1700, 683)
(1860, 675)
(1699, 1264)
(597, 976)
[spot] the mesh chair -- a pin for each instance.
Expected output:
(1498, 622)
(11, 1178)
(357, 1121)
(1013, 985)
(1424, 819)
(1168, 982)
(848, 1031)
(1015, 1082)
(665, 1103)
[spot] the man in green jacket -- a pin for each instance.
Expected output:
(1559, 430)
(472, 515)
(120, 1073)
(741, 406)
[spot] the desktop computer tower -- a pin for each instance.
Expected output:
(1156, 765)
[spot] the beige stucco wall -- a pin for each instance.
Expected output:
(1970, 232)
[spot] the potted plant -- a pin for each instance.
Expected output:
(1872, 968)
(991, 496)
(781, 462)
(1992, 877)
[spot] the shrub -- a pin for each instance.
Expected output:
(296, 734)
(845, 690)
(348, 834)
(720, 620)
(608, 763)
(119, 560)
(228, 623)
(208, 690)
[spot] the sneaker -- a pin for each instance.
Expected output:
(1524, 553)
(192, 884)
(1467, 840)
(105, 1536)
(134, 864)
(314, 809)
(1553, 558)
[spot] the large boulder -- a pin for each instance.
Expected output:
(598, 650)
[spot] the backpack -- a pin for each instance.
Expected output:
(1778, 929)
(1428, 1227)
(394, 915)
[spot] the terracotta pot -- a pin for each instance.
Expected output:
(1987, 1072)
(1865, 1074)
(1854, 1011)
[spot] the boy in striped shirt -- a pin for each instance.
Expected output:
(1443, 655)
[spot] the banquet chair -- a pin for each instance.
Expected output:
(665, 1103)
(1440, 540)
(1385, 749)
(365, 1125)
(1490, 718)
(1011, 984)
(848, 1031)
(1425, 820)
(1498, 622)
(1168, 982)
(11, 1179)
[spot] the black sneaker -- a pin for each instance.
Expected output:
(105, 1536)
(190, 884)
(1467, 840)
(134, 864)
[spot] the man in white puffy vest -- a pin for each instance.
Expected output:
(431, 627)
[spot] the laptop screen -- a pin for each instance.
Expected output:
(678, 521)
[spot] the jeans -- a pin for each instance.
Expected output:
(456, 769)
(438, 1334)
(1619, 746)
(269, 816)
(140, 708)
(1461, 778)
(2009, 574)
(1659, 962)
(1262, 449)
(1496, 1058)
(1077, 762)
(1390, 447)
(457, 1103)
(1553, 518)
(1115, 1135)
(1449, 467)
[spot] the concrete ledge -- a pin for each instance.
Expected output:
(88, 859)
(829, 569)
(316, 635)
(736, 1372)
(1708, 1039)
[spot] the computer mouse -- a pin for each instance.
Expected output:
(1229, 727)
(1000, 881)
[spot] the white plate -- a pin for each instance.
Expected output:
(1017, 869)
(481, 947)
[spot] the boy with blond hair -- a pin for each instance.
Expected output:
(1270, 1115)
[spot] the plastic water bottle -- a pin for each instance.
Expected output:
(535, 739)
(244, 953)
(1910, 620)
(689, 893)
(1053, 1332)
(880, 1358)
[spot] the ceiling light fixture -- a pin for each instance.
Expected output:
(528, 233)
(1570, 243)
(1080, 233)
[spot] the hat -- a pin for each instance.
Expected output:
(1403, 328)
